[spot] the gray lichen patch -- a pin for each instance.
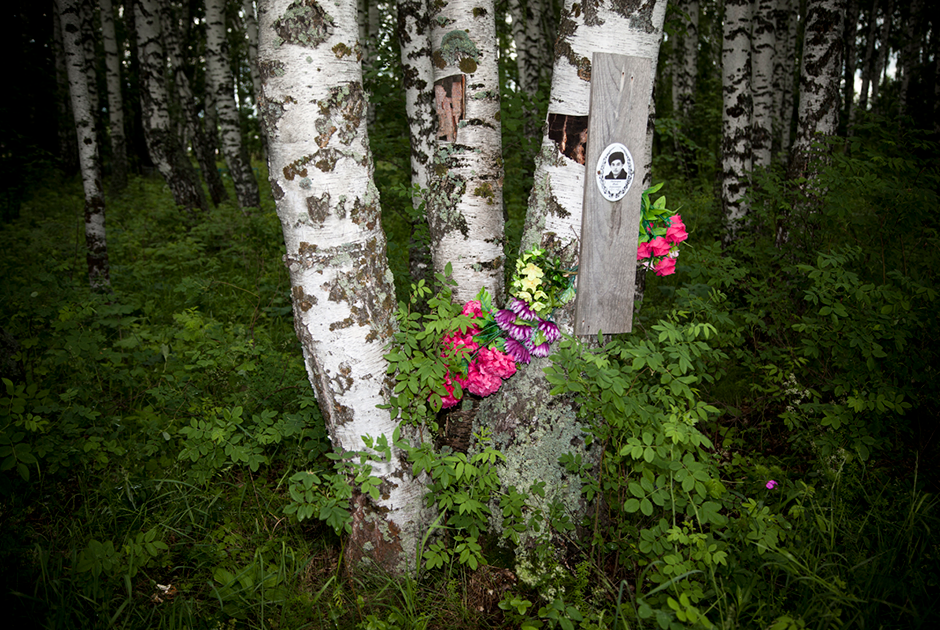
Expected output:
(318, 207)
(304, 23)
(271, 68)
(297, 167)
(639, 12)
(457, 49)
(341, 113)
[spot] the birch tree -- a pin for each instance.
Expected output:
(819, 85)
(162, 143)
(70, 15)
(763, 47)
(531, 428)
(785, 18)
(414, 35)
(465, 197)
(191, 123)
(685, 67)
(115, 99)
(251, 33)
(736, 160)
(313, 112)
(219, 81)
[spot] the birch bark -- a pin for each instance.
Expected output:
(313, 111)
(685, 68)
(191, 122)
(529, 426)
(414, 35)
(115, 101)
(65, 121)
(162, 143)
(96, 245)
(736, 156)
(785, 17)
(251, 33)
(763, 53)
(465, 198)
(219, 81)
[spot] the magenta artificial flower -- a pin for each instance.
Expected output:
(659, 246)
(517, 351)
(473, 308)
(541, 350)
(519, 332)
(550, 330)
(666, 266)
(449, 400)
(770, 485)
(643, 251)
(520, 308)
(496, 362)
(481, 382)
(504, 317)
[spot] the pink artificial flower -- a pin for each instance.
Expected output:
(676, 221)
(666, 266)
(770, 485)
(659, 246)
(449, 400)
(496, 362)
(676, 234)
(643, 251)
(473, 308)
(482, 383)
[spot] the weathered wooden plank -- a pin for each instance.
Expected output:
(620, 95)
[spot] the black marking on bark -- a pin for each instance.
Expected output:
(319, 207)
(297, 167)
(639, 12)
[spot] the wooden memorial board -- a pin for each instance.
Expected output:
(615, 169)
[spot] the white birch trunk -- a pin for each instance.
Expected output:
(820, 74)
(251, 33)
(528, 35)
(532, 428)
(685, 68)
(115, 101)
(465, 200)
(784, 74)
(763, 53)
(97, 250)
(219, 81)
(850, 47)
(414, 34)
(162, 143)
(736, 160)
(321, 170)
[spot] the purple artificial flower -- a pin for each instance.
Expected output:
(550, 330)
(541, 350)
(520, 308)
(517, 351)
(505, 318)
(519, 332)
(770, 485)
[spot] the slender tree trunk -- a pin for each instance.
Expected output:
(251, 32)
(414, 34)
(685, 68)
(465, 200)
(191, 122)
(97, 249)
(884, 47)
(531, 427)
(528, 35)
(162, 143)
(320, 170)
(868, 63)
(68, 149)
(219, 81)
(89, 28)
(115, 100)
(736, 160)
(763, 55)
(910, 51)
(820, 101)
(850, 54)
(784, 74)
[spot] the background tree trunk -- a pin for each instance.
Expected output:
(321, 174)
(115, 99)
(68, 149)
(465, 199)
(414, 34)
(881, 60)
(868, 63)
(162, 143)
(763, 55)
(219, 82)
(70, 14)
(203, 148)
(850, 48)
(736, 156)
(785, 17)
(685, 67)
(251, 33)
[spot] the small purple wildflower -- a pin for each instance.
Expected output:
(770, 485)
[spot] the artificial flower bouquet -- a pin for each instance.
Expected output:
(487, 352)
(661, 231)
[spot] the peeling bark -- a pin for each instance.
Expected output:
(465, 197)
(70, 15)
(320, 170)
